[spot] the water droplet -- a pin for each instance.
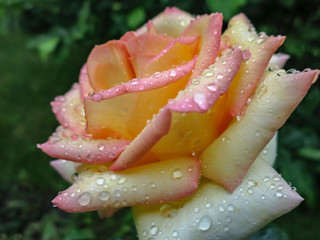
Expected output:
(250, 190)
(154, 230)
(200, 100)
(219, 76)
(230, 207)
(113, 177)
(177, 173)
(100, 181)
(196, 210)
(205, 223)
(104, 196)
(228, 219)
(221, 208)
(252, 183)
(173, 73)
(117, 193)
(263, 197)
(122, 180)
(266, 178)
(72, 195)
(276, 179)
(226, 228)
(101, 147)
(212, 87)
(208, 205)
(279, 194)
(84, 199)
(258, 133)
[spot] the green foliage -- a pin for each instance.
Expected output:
(228, 7)
(270, 234)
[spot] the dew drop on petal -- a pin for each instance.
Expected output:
(104, 195)
(177, 174)
(154, 230)
(205, 223)
(84, 199)
(100, 181)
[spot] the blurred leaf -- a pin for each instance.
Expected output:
(270, 234)
(135, 18)
(49, 229)
(227, 7)
(82, 24)
(45, 44)
(287, 3)
(310, 153)
(299, 175)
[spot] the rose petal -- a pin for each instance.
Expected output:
(65, 168)
(69, 110)
(106, 213)
(269, 153)
(148, 184)
(119, 116)
(214, 213)
(171, 22)
(211, 86)
(241, 33)
(228, 158)
(84, 83)
(108, 65)
(65, 144)
(209, 28)
(279, 60)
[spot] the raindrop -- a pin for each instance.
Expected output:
(173, 73)
(212, 87)
(228, 219)
(279, 194)
(175, 233)
(221, 208)
(100, 181)
(104, 195)
(177, 173)
(113, 177)
(122, 180)
(250, 190)
(263, 197)
(226, 228)
(196, 210)
(230, 207)
(258, 133)
(154, 230)
(84, 199)
(219, 76)
(101, 147)
(208, 205)
(117, 193)
(205, 223)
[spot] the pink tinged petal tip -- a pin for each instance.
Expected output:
(157, 80)
(65, 168)
(213, 82)
(171, 22)
(69, 110)
(236, 149)
(85, 87)
(212, 212)
(209, 27)
(279, 59)
(150, 135)
(65, 144)
(149, 184)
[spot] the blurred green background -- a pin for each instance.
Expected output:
(43, 44)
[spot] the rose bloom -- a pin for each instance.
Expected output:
(177, 120)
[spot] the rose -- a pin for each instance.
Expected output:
(171, 99)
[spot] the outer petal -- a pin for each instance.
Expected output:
(65, 144)
(209, 28)
(279, 59)
(241, 33)
(228, 158)
(69, 110)
(85, 87)
(149, 184)
(108, 65)
(213, 213)
(171, 22)
(199, 98)
(65, 168)
(269, 153)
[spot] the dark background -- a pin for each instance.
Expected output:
(43, 44)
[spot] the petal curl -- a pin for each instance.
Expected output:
(213, 83)
(228, 158)
(149, 184)
(67, 145)
(69, 110)
(65, 168)
(214, 213)
(209, 28)
(171, 22)
(108, 65)
(279, 59)
(241, 33)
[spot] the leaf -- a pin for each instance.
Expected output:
(136, 17)
(45, 44)
(227, 7)
(310, 153)
(270, 234)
